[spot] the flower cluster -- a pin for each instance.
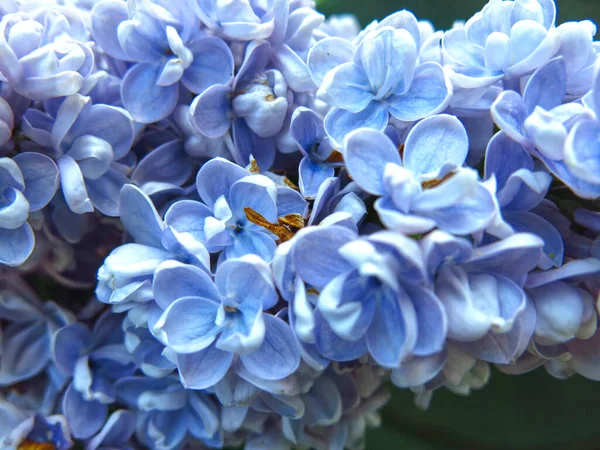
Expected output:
(278, 213)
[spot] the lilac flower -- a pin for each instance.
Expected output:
(166, 45)
(254, 107)
(307, 131)
(582, 147)
(95, 359)
(481, 290)
(520, 191)
(565, 309)
(27, 183)
(125, 278)
(7, 121)
(580, 55)
(19, 429)
(541, 124)
(248, 20)
(116, 432)
(149, 354)
(207, 324)
(27, 331)
(362, 91)
(167, 412)
(42, 56)
(367, 291)
(176, 148)
(89, 143)
(238, 211)
(426, 187)
(505, 40)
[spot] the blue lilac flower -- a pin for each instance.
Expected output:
(175, 148)
(426, 186)
(520, 190)
(87, 141)
(254, 107)
(125, 278)
(95, 360)
(581, 150)
(209, 323)
(6, 122)
(239, 211)
(27, 330)
(541, 123)
(42, 57)
(580, 55)
(362, 91)
(166, 45)
(481, 290)
(116, 432)
(505, 40)
(27, 183)
(306, 128)
(148, 353)
(367, 291)
(167, 412)
(19, 429)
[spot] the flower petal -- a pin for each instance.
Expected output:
(366, 154)
(145, 100)
(279, 355)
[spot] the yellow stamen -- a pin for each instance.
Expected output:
(253, 167)
(31, 445)
(312, 291)
(289, 184)
(230, 309)
(284, 230)
(270, 98)
(437, 181)
(335, 157)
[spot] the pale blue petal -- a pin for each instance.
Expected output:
(213, 64)
(366, 154)
(393, 332)
(211, 111)
(105, 191)
(547, 86)
(41, 178)
(429, 93)
(279, 355)
(339, 122)
(173, 280)
(145, 100)
(435, 142)
(188, 324)
(346, 87)
(16, 245)
(316, 254)
(215, 179)
(509, 112)
(203, 369)
(247, 280)
(139, 216)
(327, 54)
(85, 418)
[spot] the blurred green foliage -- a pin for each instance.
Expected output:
(527, 412)
(443, 12)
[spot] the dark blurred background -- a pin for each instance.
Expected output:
(526, 412)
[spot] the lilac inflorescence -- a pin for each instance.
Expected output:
(268, 215)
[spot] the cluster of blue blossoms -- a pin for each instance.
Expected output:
(278, 213)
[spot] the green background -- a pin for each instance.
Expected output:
(532, 411)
